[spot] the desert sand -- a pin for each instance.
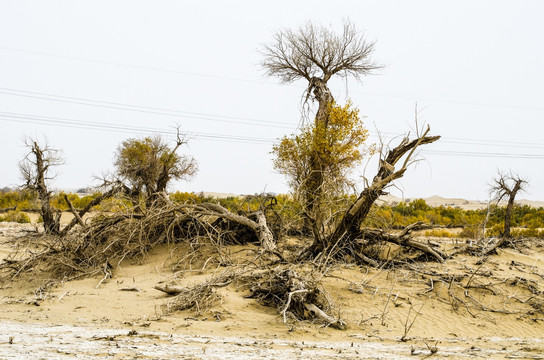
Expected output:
(462, 309)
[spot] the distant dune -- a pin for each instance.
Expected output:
(436, 200)
(217, 194)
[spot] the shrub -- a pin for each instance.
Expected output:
(439, 233)
(470, 232)
(521, 233)
(495, 230)
(15, 216)
(19, 199)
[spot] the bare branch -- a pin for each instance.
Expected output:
(35, 170)
(506, 186)
(316, 51)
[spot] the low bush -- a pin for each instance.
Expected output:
(15, 216)
(440, 233)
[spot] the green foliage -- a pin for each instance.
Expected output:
(529, 222)
(20, 199)
(495, 230)
(58, 201)
(419, 205)
(403, 214)
(15, 216)
(186, 198)
(27, 200)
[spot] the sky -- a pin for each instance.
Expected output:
(86, 75)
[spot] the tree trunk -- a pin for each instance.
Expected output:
(259, 227)
(315, 182)
(50, 222)
(509, 207)
(349, 227)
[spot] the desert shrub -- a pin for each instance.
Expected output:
(439, 233)
(521, 233)
(419, 204)
(15, 216)
(18, 199)
(495, 230)
(115, 204)
(288, 215)
(470, 232)
(185, 198)
(58, 201)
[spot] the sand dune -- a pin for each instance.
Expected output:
(465, 204)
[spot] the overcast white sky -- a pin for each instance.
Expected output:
(473, 67)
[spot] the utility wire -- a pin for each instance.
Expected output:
(226, 118)
(211, 76)
(70, 123)
(142, 109)
(484, 154)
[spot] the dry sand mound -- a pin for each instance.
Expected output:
(466, 308)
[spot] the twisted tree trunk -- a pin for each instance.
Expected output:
(349, 227)
(51, 222)
(509, 207)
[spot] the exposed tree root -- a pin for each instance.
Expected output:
(294, 295)
(199, 298)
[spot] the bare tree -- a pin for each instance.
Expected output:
(315, 54)
(507, 186)
(343, 239)
(36, 171)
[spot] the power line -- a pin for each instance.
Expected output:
(70, 123)
(494, 143)
(212, 76)
(226, 118)
(144, 109)
(484, 154)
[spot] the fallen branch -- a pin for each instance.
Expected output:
(169, 289)
(78, 216)
(74, 212)
(131, 288)
(403, 239)
(335, 323)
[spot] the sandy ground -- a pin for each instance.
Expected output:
(496, 316)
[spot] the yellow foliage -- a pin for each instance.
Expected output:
(336, 143)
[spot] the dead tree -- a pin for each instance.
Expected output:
(36, 170)
(348, 230)
(257, 225)
(506, 186)
(315, 54)
(78, 215)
